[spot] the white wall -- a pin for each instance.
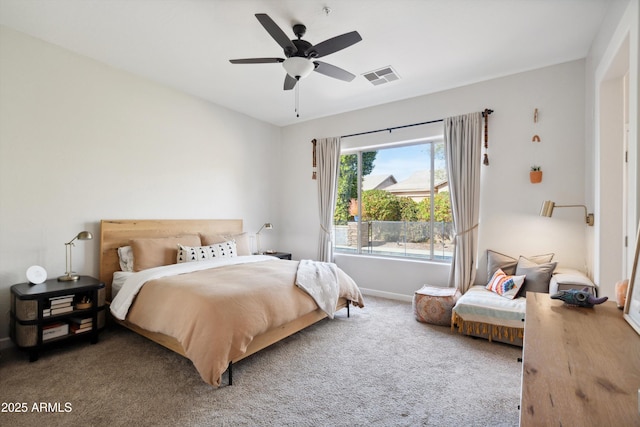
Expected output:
(81, 141)
(614, 52)
(509, 220)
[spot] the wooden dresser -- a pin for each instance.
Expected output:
(581, 366)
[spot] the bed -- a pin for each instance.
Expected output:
(256, 300)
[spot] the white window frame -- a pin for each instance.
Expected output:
(366, 148)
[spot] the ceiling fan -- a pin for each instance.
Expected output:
(301, 55)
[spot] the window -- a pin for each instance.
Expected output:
(394, 201)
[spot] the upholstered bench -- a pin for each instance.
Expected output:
(434, 304)
(483, 313)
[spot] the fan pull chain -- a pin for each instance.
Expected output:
(298, 99)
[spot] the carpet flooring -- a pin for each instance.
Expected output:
(380, 367)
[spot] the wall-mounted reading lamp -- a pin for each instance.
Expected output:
(548, 206)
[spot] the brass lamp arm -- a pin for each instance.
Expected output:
(548, 207)
(588, 217)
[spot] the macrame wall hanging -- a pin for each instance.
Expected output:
(485, 114)
(313, 174)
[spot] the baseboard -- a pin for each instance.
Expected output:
(5, 343)
(388, 295)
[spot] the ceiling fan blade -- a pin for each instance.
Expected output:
(256, 60)
(276, 33)
(334, 44)
(333, 71)
(289, 82)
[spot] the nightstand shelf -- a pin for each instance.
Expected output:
(281, 255)
(47, 313)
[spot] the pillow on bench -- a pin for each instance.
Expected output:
(537, 269)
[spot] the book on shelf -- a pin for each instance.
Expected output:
(54, 330)
(81, 320)
(77, 329)
(61, 299)
(61, 310)
(61, 305)
(46, 312)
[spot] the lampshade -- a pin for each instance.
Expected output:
(298, 67)
(266, 225)
(84, 235)
(548, 206)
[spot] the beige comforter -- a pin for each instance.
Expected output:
(216, 313)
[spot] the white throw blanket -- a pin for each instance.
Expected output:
(320, 281)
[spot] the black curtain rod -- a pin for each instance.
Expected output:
(390, 129)
(405, 126)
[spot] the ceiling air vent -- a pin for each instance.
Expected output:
(381, 76)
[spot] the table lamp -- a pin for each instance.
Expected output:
(69, 276)
(266, 225)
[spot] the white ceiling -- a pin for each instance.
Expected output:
(432, 44)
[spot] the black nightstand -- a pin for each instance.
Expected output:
(281, 255)
(54, 311)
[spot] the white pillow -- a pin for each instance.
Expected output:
(571, 276)
(125, 255)
(119, 277)
(200, 253)
(567, 278)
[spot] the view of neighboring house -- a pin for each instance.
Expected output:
(377, 182)
(416, 186)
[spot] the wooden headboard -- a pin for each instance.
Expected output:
(117, 233)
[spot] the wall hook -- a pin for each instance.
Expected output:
(535, 138)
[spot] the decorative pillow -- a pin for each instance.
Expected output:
(564, 278)
(154, 252)
(201, 253)
(506, 286)
(243, 246)
(125, 256)
(496, 260)
(537, 275)
(567, 276)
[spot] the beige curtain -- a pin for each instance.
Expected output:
(328, 166)
(463, 145)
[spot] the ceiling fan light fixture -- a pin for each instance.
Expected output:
(297, 67)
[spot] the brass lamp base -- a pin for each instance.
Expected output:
(68, 278)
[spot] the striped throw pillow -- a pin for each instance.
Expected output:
(503, 285)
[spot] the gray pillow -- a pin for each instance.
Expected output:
(496, 260)
(537, 276)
